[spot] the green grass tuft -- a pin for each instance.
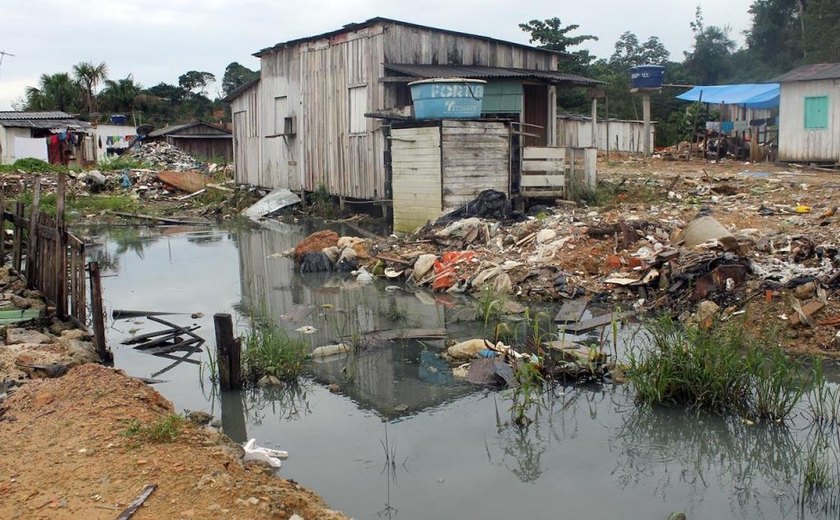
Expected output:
(166, 429)
(721, 371)
(271, 351)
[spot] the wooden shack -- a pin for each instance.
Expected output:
(809, 114)
(322, 110)
(204, 141)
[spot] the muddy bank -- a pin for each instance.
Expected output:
(96, 466)
(92, 438)
(35, 343)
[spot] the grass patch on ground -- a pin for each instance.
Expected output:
(165, 429)
(121, 162)
(83, 204)
(33, 166)
(271, 351)
(722, 370)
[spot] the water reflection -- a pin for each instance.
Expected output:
(590, 449)
(394, 379)
(664, 449)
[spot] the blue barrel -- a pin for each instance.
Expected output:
(646, 77)
(118, 119)
(447, 98)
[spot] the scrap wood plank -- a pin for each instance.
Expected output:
(394, 334)
(162, 340)
(189, 345)
(135, 505)
(184, 330)
(188, 181)
(150, 335)
(298, 313)
(594, 323)
(572, 310)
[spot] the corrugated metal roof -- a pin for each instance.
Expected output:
(481, 72)
(7, 115)
(811, 72)
(373, 21)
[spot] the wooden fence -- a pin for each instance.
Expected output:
(52, 261)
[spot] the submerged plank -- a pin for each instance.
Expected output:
(594, 323)
(572, 310)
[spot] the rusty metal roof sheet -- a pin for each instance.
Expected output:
(481, 72)
(811, 72)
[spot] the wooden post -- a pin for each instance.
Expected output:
(31, 252)
(607, 108)
(646, 119)
(17, 245)
(61, 250)
(2, 228)
(228, 353)
(98, 314)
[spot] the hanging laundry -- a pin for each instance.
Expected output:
(727, 126)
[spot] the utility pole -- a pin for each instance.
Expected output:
(3, 54)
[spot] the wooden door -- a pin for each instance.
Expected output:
(535, 113)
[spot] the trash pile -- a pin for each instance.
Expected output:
(167, 157)
(482, 362)
(692, 243)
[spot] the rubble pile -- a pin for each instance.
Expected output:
(676, 244)
(167, 157)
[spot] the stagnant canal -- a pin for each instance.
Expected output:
(403, 438)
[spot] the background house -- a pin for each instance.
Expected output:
(201, 140)
(809, 114)
(305, 124)
(54, 137)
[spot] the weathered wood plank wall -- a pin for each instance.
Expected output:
(246, 137)
(476, 157)
(796, 143)
(416, 165)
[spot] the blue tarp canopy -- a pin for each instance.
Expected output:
(750, 95)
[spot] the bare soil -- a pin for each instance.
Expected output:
(65, 453)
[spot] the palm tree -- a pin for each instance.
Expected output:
(120, 95)
(90, 75)
(54, 92)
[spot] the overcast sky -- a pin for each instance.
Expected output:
(158, 40)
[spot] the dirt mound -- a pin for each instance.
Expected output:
(68, 452)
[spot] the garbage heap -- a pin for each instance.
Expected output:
(642, 264)
(164, 156)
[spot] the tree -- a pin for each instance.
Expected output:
(195, 79)
(822, 39)
(551, 34)
(235, 76)
(710, 60)
(121, 95)
(776, 37)
(89, 76)
(629, 53)
(54, 92)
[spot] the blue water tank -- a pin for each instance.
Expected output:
(447, 98)
(646, 77)
(118, 119)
